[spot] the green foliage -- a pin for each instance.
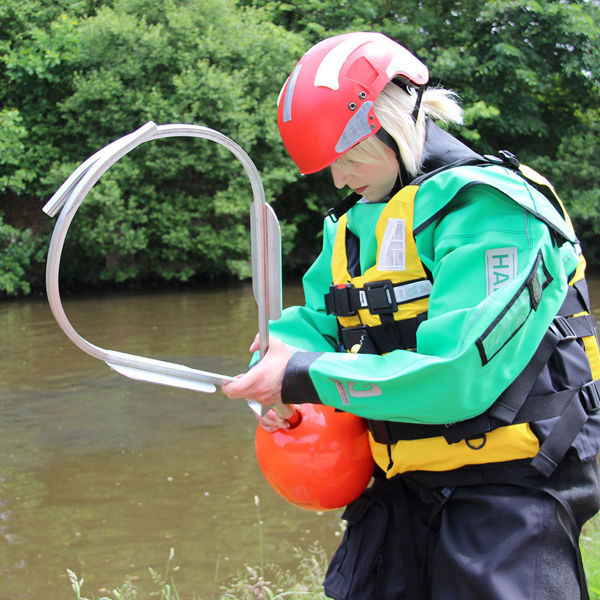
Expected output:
(590, 551)
(180, 209)
(19, 252)
(575, 173)
(304, 583)
(13, 174)
(269, 583)
(78, 74)
(172, 210)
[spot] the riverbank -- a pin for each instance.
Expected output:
(272, 582)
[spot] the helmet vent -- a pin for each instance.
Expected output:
(329, 70)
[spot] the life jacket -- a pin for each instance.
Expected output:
(380, 309)
(551, 406)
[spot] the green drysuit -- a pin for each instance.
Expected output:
(478, 336)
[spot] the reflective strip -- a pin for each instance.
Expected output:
(516, 312)
(412, 291)
(403, 293)
(392, 256)
(287, 102)
(328, 73)
(356, 129)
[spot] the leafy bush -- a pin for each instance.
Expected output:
(78, 74)
(19, 252)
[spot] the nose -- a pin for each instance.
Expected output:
(340, 177)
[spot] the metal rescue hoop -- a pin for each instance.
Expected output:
(266, 258)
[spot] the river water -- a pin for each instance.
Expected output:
(104, 475)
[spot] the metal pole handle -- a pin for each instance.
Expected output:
(266, 257)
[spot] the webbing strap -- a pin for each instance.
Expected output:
(577, 299)
(583, 402)
(402, 522)
(343, 207)
(379, 297)
(514, 397)
(441, 496)
(381, 339)
(538, 408)
(515, 405)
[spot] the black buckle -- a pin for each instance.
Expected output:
(339, 300)
(509, 158)
(380, 297)
(590, 397)
(561, 324)
(357, 339)
(442, 495)
(343, 207)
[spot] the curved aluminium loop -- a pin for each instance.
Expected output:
(265, 254)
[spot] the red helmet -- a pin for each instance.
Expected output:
(326, 105)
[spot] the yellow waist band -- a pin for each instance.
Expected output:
(512, 442)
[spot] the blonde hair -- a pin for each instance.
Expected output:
(394, 108)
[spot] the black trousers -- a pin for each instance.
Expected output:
(499, 532)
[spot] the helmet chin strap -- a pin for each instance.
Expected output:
(383, 136)
(417, 106)
(410, 89)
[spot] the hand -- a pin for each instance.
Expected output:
(263, 382)
(273, 421)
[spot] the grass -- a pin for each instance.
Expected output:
(262, 582)
(254, 583)
(590, 549)
(270, 582)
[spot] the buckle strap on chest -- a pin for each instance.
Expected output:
(381, 339)
(379, 297)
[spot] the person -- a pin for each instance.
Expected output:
(449, 309)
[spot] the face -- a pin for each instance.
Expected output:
(374, 181)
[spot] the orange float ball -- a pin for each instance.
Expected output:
(324, 462)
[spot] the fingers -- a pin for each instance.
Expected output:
(263, 382)
(272, 421)
(257, 384)
(255, 344)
